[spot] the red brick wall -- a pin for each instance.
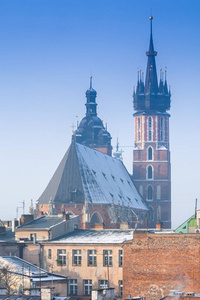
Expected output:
(157, 263)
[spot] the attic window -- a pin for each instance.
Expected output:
(129, 182)
(129, 199)
(120, 196)
(122, 180)
(104, 175)
(94, 172)
(136, 200)
(111, 195)
(113, 177)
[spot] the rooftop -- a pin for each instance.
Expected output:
(43, 222)
(85, 173)
(92, 236)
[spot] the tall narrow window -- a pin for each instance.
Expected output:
(159, 213)
(150, 172)
(149, 192)
(120, 288)
(161, 128)
(139, 129)
(150, 153)
(61, 257)
(120, 258)
(150, 128)
(72, 287)
(76, 254)
(158, 192)
(151, 213)
(87, 284)
(107, 257)
(92, 258)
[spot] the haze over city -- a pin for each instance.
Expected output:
(49, 49)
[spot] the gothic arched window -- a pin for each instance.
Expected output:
(158, 196)
(161, 128)
(139, 129)
(150, 172)
(150, 128)
(149, 192)
(151, 213)
(150, 153)
(159, 213)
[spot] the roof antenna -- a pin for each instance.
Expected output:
(90, 82)
(195, 216)
(151, 18)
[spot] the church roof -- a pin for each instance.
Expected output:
(85, 173)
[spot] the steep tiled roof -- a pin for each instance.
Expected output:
(85, 173)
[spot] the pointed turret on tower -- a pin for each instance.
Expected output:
(91, 131)
(151, 156)
(152, 97)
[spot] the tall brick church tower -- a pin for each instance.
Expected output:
(151, 155)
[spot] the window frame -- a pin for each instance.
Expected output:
(72, 284)
(120, 288)
(76, 257)
(92, 258)
(49, 254)
(87, 285)
(121, 258)
(61, 257)
(107, 258)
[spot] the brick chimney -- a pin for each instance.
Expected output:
(25, 219)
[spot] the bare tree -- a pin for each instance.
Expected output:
(9, 280)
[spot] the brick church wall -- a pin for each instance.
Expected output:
(156, 263)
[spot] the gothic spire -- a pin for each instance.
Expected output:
(151, 82)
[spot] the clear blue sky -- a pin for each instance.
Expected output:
(48, 50)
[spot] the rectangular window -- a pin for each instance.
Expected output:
(120, 288)
(76, 257)
(87, 284)
(107, 257)
(92, 258)
(49, 253)
(72, 287)
(103, 284)
(61, 257)
(120, 258)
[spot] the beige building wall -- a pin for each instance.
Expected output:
(26, 234)
(112, 273)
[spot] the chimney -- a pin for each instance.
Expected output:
(47, 293)
(159, 225)
(25, 219)
(66, 216)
